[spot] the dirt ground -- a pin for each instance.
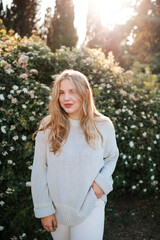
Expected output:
(132, 219)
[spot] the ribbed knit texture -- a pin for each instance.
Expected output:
(61, 183)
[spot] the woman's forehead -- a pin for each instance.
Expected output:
(66, 84)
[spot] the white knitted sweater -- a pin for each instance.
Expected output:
(61, 184)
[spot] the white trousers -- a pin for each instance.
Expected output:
(91, 228)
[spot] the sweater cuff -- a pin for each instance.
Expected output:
(44, 212)
(106, 187)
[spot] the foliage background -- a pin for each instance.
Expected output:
(130, 98)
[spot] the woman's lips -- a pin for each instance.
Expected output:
(68, 105)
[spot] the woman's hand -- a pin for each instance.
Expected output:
(97, 190)
(49, 223)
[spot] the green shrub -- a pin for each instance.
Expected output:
(132, 105)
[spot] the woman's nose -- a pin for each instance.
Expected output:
(67, 97)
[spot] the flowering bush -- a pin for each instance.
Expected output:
(23, 104)
(25, 64)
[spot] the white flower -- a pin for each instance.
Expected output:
(100, 88)
(48, 88)
(31, 118)
(149, 148)
(9, 70)
(33, 71)
(144, 190)
(10, 190)
(141, 124)
(140, 181)
(23, 75)
(131, 144)
(14, 100)
(157, 136)
(123, 93)
(41, 103)
(133, 187)
(3, 63)
(23, 60)
(4, 143)
(12, 127)
(11, 149)
(2, 203)
(15, 87)
(130, 112)
(4, 153)
(12, 91)
(3, 129)
(144, 134)
(9, 96)
(2, 97)
(102, 80)
(25, 90)
(152, 178)
(1, 228)
(138, 156)
(23, 236)
(28, 184)
(15, 138)
(154, 183)
(124, 156)
(24, 106)
(10, 161)
(30, 167)
(24, 138)
(133, 126)
(108, 85)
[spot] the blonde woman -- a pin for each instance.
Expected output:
(75, 156)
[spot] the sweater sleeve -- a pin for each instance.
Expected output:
(42, 202)
(111, 153)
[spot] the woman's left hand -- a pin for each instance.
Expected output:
(97, 190)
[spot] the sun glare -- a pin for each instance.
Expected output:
(112, 11)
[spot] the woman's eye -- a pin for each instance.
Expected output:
(61, 93)
(73, 91)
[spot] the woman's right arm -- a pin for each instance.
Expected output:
(43, 205)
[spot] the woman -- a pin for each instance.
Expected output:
(75, 156)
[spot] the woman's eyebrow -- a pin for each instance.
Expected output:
(68, 89)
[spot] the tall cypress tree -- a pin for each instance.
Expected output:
(21, 17)
(1, 10)
(62, 30)
(145, 30)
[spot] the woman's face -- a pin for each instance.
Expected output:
(69, 100)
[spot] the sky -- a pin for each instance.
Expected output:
(111, 12)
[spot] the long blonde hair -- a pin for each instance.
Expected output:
(58, 121)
